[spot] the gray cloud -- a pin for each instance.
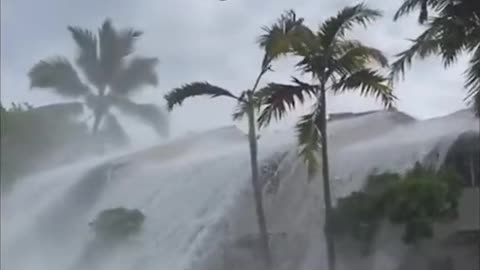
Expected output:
(209, 40)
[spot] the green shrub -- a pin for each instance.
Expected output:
(117, 223)
(415, 201)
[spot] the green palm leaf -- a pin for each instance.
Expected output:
(423, 46)
(148, 113)
(441, 37)
(355, 50)
(279, 38)
(309, 136)
(409, 6)
(335, 27)
(473, 80)
(139, 72)
(57, 73)
(353, 56)
(370, 83)
(178, 95)
(87, 58)
(278, 99)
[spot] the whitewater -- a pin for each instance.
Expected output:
(196, 194)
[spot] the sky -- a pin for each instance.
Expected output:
(214, 41)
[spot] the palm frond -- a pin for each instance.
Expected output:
(87, 58)
(309, 136)
(139, 72)
(335, 27)
(278, 99)
(126, 39)
(370, 83)
(409, 6)
(58, 74)
(353, 55)
(150, 114)
(180, 94)
(279, 38)
(423, 46)
(114, 46)
(442, 37)
(473, 80)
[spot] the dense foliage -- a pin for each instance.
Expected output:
(415, 201)
(29, 137)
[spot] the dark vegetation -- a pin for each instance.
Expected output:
(31, 138)
(117, 223)
(415, 200)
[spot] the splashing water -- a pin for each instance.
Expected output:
(196, 195)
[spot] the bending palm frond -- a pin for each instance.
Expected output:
(278, 99)
(473, 80)
(148, 113)
(410, 5)
(87, 59)
(309, 140)
(57, 73)
(114, 47)
(423, 46)
(139, 72)
(446, 7)
(178, 95)
(279, 38)
(355, 56)
(370, 83)
(335, 27)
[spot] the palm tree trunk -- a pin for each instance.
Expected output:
(97, 137)
(96, 122)
(326, 182)
(257, 189)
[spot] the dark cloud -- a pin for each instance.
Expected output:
(208, 40)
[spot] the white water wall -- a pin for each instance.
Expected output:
(196, 195)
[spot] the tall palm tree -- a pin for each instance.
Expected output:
(247, 103)
(113, 75)
(453, 30)
(336, 64)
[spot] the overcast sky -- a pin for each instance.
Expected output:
(213, 41)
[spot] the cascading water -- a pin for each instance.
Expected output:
(195, 193)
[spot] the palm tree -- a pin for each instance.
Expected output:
(453, 30)
(246, 104)
(336, 64)
(113, 75)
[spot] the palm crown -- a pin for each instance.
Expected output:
(335, 63)
(113, 75)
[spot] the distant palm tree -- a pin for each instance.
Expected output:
(337, 65)
(453, 30)
(113, 75)
(247, 103)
